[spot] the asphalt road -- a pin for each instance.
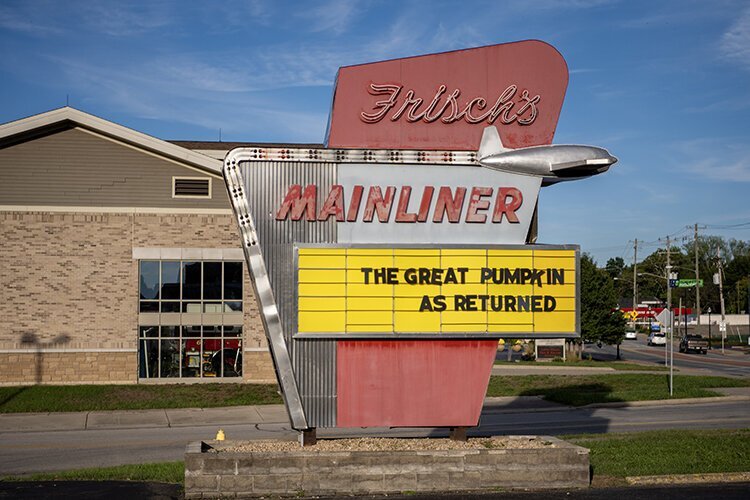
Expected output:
(25, 452)
(730, 364)
(126, 490)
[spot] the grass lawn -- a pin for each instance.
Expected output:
(612, 456)
(667, 452)
(574, 390)
(163, 472)
(578, 390)
(616, 365)
(43, 398)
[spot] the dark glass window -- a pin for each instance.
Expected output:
(211, 331)
(212, 281)
(170, 307)
(191, 350)
(170, 331)
(149, 280)
(191, 357)
(169, 358)
(149, 307)
(233, 281)
(191, 280)
(149, 365)
(170, 280)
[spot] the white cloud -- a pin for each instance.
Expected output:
(714, 160)
(735, 42)
(333, 16)
(721, 170)
(21, 19)
(120, 19)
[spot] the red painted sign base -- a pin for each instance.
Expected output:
(412, 383)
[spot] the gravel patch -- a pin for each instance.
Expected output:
(387, 444)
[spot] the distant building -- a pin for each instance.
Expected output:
(121, 260)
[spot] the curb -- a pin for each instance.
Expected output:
(716, 477)
(616, 404)
(661, 402)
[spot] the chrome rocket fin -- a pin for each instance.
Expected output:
(491, 143)
(593, 163)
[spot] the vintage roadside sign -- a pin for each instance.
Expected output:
(388, 264)
(443, 101)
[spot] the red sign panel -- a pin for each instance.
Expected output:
(444, 101)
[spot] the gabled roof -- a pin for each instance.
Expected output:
(228, 146)
(65, 118)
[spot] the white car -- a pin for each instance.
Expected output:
(657, 338)
(630, 335)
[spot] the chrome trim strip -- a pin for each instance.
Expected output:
(354, 156)
(262, 285)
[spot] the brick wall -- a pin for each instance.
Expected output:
(70, 283)
(67, 367)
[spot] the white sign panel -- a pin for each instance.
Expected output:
(431, 204)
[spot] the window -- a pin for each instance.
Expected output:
(191, 187)
(190, 286)
(192, 351)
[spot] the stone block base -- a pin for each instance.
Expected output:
(212, 474)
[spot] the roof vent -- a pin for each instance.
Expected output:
(191, 187)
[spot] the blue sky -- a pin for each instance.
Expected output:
(664, 85)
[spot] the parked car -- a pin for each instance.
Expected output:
(694, 343)
(657, 338)
(630, 334)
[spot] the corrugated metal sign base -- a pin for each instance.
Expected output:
(314, 362)
(421, 383)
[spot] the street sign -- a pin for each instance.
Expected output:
(663, 317)
(723, 327)
(688, 283)
(673, 283)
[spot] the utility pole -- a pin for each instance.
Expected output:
(697, 280)
(670, 319)
(635, 277)
(723, 328)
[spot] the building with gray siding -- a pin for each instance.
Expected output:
(121, 260)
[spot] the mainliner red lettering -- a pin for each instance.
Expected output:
(298, 203)
(334, 204)
(448, 204)
(424, 207)
(351, 214)
(403, 204)
(476, 203)
(376, 203)
(508, 201)
(450, 111)
(301, 203)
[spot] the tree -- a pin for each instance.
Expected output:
(615, 266)
(600, 322)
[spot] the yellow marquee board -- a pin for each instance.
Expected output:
(529, 290)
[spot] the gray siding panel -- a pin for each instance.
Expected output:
(76, 168)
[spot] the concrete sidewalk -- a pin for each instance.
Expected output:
(133, 419)
(273, 414)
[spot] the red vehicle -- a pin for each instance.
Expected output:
(216, 354)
